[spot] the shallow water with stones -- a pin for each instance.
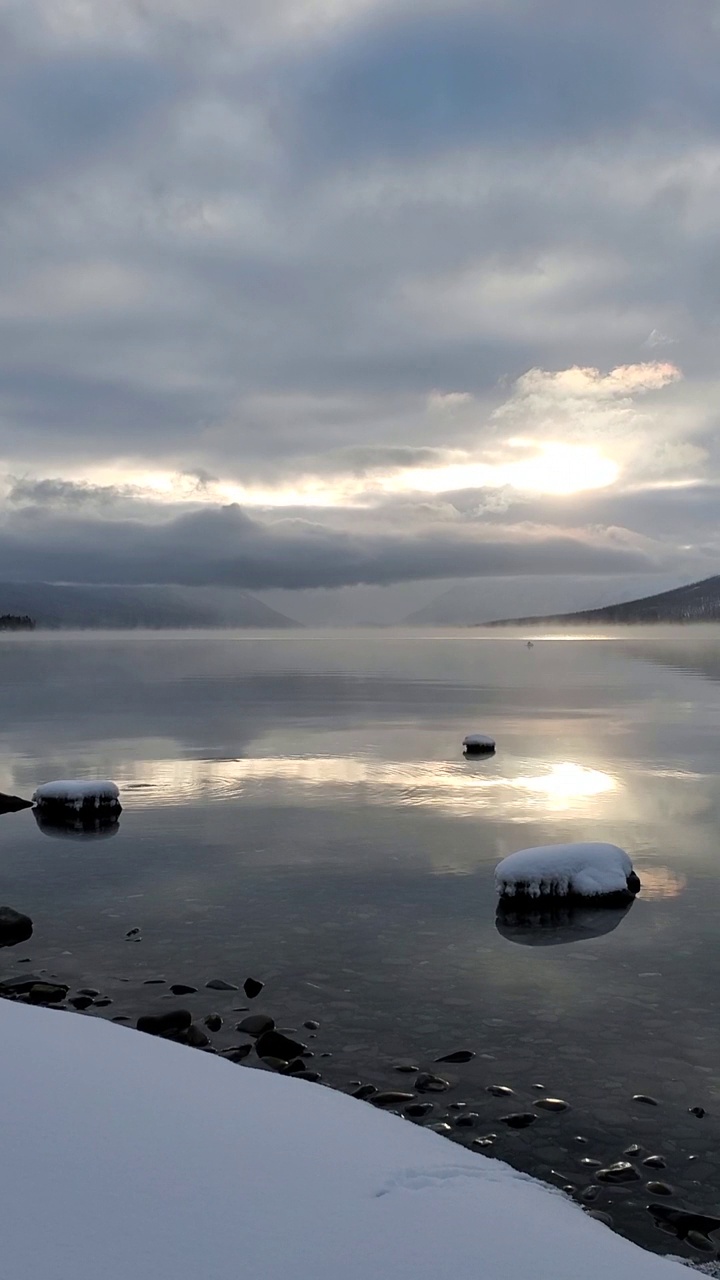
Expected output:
(298, 809)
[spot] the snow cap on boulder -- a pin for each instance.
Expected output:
(587, 870)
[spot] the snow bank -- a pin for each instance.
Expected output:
(126, 1155)
(476, 742)
(73, 794)
(590, 870)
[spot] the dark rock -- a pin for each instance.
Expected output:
(168, 1025)
(46, 993)
(80, 1002)
(132, 933)
(213, 1022)
(218, 984)
(390, 1098)
(697, 1111)
(659, 1189)
(274, 1044)
(277, 1064)
(487, 1140)
(428, 1083)
(154, 982)
(13, 804)
(500, 1090)
(590, 1194)
(681, 1222)
(195, 1037)
(440, 1127)
(461, 1055)
(417, 1110)
(467, 1120)
(312, 1077)
(20, 986)
(236, 1054)
(699, 1241)
(519, 1119)
(296, 1066)
(14, 927)
(180, 989)
(552, 1104)
(88, 991)
(311, 1025)
(365, 1091)
(632, 1151)
(252, 987)
(643, 1097)
(102, 1003)
(256, 1025)
(457, 1106)
(656, 1162)
(406, 1068)
(621, 1171)
(120, 1017)
(588, 1163)
(600, 1216)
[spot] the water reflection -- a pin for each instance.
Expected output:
(556, 922)
(76, 826)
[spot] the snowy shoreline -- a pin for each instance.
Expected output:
(147, 1159)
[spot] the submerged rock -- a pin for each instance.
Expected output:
(519, 1119)
(461, 1055)
(47, 993)
(683, 1222)
(13, 804)
(256, 1024)
(168, 1025)
(428, 1083)
(621, 1171)
(552, 1104)
(219, 984)
(14, 927)
(390, 1098)
(273, 1044)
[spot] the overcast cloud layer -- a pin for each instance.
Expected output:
(316, 293)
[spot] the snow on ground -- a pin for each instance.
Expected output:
(589, 869)
(126, 1155)
(77, 794)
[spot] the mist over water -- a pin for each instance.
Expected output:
(297, 807)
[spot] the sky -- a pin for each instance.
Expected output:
(329, 295)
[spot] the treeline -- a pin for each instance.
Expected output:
(16, 622)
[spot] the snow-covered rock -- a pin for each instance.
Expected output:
(587, 870)
(126, 1155)
(78, 794)
(478, 743)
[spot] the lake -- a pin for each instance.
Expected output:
(297, 808)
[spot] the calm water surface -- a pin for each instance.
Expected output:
(298, 808)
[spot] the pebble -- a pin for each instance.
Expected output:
(313, 1077)
(440, 1127)
(219, 984)
(252, 987)
(621, 1171)
(391, 1098)
(169, 1024)
(88, 991)
(589, 1163)
(102, 1003)
(296, 1066)
(632, 1151)
(237, 1054)
(181, 989)
(655, 1162)
(457, 1106)
(552, 1104)
(154, 982)
(644, 1097)
(256, 1025)
(408, 1068)
(120, 1017)
(416, 1110)
(519, 1119)
(274, 1044)
(697, 1111)
(467, 1120)
(590, 1194)
(46, 993)
(80, 1002)
(213, 1022)
(132, 933)
(195, 1037)
(487, 1140)
(500, 1090)
(699, 1241)
(460, 1055)
(659, 1188)
(311, 1025)
(276, 1064)
(428, 1083)
(365, 1091)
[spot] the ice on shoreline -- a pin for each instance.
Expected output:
(144, 1158)
(588, 870)
(78, 794)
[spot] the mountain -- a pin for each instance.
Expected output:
(480, 600)
(698, 602)
(53, 605)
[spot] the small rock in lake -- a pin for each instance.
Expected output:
(699, 1241)
(519, 1119)
(457, 1106)
(274, 1044)
(311, 1025)
(461, 1055)
(656, 1162)
(14, 927)
(256, 1025)
(195, 1037)
(487, 1140)
(697, 1111)
(88, 991)
(132, 933)
(120, 1017)
(440, 1127)
(154, 982)
(46, 993)
(365, 1091)
(643, 1097)
(213, 1021)
(621, 1171)
(552, 1104)
(168, 1025)
(219, 984)
(632, 1151)
(312, 1077)
(417, 1110)
(390, 1098)
(180, 989)
(428, 1083)
(600, 1216)
(236, 1054)
(590, 1194)
(252, 987)
(276, 1064)
(682, 1222)
(500, 1090)
(659, 1188)
(407, 1068)
(80, 1002)
(467, 1120)
(589, 1163)
(102, 1003)
(296, 1066)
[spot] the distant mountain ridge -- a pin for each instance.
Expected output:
(54, 606)
(697, 602)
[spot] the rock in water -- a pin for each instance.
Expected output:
(621, 1171)
(479, 744)
(461, 1055)
(219, 984)
(79, 794)
(169, 1025)
(252, 987)
(273, 1044)
(428, 1083)
(213, 1022)
(13, 804)
(256, 1024)
(14, 927)
(519, 1119)
(600, 872)
(47, 993)
(180, 989)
